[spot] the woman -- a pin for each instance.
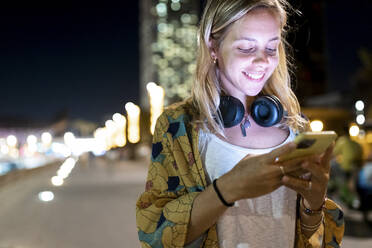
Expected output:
(214, 185)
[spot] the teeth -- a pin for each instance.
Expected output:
(254, 76)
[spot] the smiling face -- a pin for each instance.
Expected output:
(248, 55)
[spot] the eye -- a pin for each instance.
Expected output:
(246, 50)
(271, 51)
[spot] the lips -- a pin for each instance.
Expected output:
(254, 76)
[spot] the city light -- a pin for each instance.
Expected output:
(354, 130)
(31, 139)
(66, 168)
(46, 196)
(316, 125)
(359, 105)
(360, 119)
(46, 138)
(57, 181)
(119, 119)
(161, 9)
(120, 141)
(110, 125)
(101, 137)
(31, 145)
(61, 149)
(156, 95)
(174, 46)
(175, 6)
(121, 122)
(11, 140)
(69, 138)
(4, 149)
(133, 112)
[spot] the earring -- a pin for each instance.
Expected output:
(214, 60)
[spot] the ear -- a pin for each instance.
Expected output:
(212, 48)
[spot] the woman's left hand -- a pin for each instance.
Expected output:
(314, 189)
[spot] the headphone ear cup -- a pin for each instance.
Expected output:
(280, 106)
(267, 111)
(232, 111)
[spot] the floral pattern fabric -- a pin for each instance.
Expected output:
(176, 176)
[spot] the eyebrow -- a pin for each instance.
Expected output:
(251, 39)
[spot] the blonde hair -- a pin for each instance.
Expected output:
(218, 17)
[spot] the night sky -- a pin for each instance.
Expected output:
(84, 57)
(348, 28)
(78, 56)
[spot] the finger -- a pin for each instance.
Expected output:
(294, 164)
(327, 156)
(298, 185)
(297, 173)
(316, 170)
(274, 154)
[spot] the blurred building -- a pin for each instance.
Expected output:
(168, 49)
(23, 127)
(168, 46)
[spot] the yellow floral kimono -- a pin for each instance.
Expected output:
(176, 177)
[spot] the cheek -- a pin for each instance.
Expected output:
(232, 64)
(274, 62)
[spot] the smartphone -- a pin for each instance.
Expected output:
(310, 143)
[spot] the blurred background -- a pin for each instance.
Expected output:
(82, 84)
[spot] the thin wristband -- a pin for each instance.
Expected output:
(220, 196)
(313, 227)
(311, 212)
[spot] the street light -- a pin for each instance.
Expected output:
(359, 105)
(121, 122)
(156, 94)
(133, 112)
(46, 138)
(101, 137)
(316, 125)
(11, 140)
(119, 119)
(354, 130)
(57, 181)
(360, 119)
(69, 139)
(31, 144)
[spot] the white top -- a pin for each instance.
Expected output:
(266, 221)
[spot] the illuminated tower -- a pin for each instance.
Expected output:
(168, 46)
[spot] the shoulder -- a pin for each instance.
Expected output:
(176, 119)
(179, 112)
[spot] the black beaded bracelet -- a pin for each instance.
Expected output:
(220, 196)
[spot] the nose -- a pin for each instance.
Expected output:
(261, 58)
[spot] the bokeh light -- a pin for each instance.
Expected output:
(133, 112)
(360, 119)
(11, 140)
(359, 105)
(46, 196)
(316, 125)
(354, 130)
(46, 138)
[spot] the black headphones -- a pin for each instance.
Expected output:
(266, 111)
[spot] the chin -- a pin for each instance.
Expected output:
(253, 92)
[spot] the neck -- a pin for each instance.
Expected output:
(248, 103)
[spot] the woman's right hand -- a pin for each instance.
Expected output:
(257, 175)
